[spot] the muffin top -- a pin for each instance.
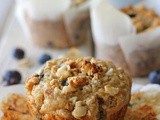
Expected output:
(144, 105)
(14, 107)
(84, 88)
(144, 19)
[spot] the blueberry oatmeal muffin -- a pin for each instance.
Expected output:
(145, 105)
(14, 107)
(44, 22)
(79, 89)
(144, 19)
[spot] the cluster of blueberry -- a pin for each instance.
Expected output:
(12, 77)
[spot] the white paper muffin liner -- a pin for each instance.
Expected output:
(54, 12)
(108, 24)
(116, 39)
(141, 50)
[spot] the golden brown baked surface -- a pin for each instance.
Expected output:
(143, 18)
(85, 89)
(14, 107)
(144, 106)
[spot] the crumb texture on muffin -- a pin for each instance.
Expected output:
(144, 19)
(14, 107)
(144, 105)
(84, 88)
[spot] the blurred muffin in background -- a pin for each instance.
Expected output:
(144, 19)
(108, 25)
(144, 104)
(44, 22)
(128, 36)
(14, 107)
(140, 50)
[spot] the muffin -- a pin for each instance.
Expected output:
(43, 21)
(144, 105)
(140, 50)
(14, 107)
(45, 25)
(144, 19)
(79, 89)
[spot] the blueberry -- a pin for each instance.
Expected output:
(64, 83)
(44, 58)
(132, 15)
(41, 77)
(18, 53)
(12, 77)
(154, 77)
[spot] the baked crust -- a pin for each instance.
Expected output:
(85, 89)
(144, 106)
(14, 107)
(143, 18)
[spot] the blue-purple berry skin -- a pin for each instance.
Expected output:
(64, 83)
(44, 58)
(154, 77)
(12, 77)
(18, 53)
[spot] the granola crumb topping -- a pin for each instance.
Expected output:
(75, 86)
(144, 19)
(14, 107)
